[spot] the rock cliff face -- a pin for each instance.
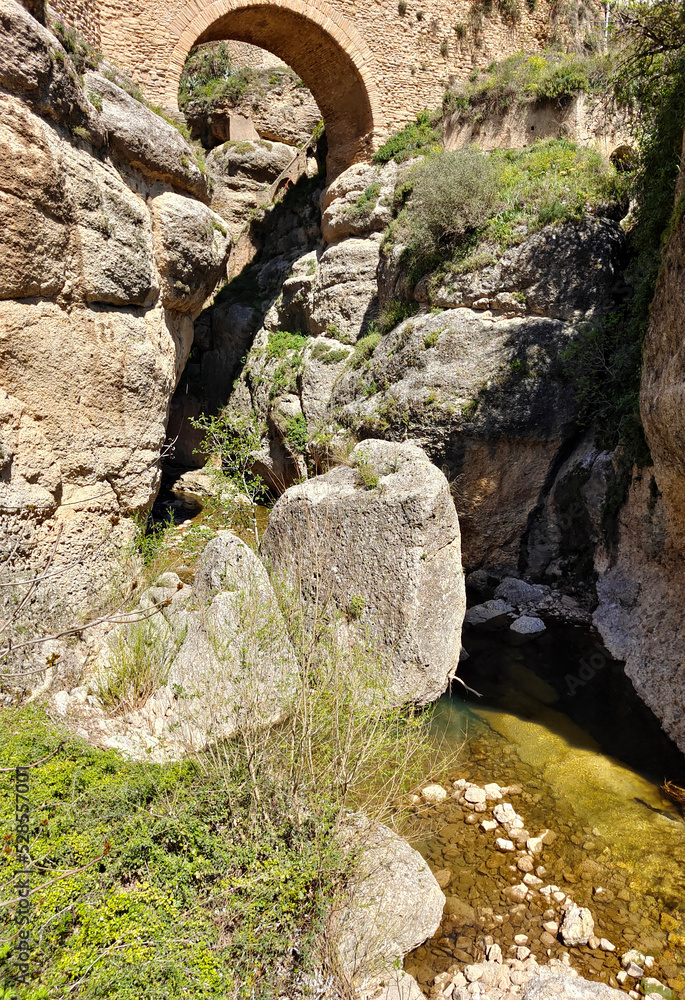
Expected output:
(642, 585)
(109, 254)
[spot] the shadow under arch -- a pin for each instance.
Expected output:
(323, 48)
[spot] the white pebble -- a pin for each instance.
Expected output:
(534, 844)
(531, 879)
(492, 791)
(551, 926)
(520, 939)
(606, 945)
(474, 794)
(434, 794)
(503, 845)
(488, 825)
(522, 953)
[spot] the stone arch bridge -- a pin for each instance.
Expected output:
(370, 64)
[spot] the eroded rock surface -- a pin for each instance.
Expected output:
(105, 267)
(380, 539)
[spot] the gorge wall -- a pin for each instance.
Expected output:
(110, 251)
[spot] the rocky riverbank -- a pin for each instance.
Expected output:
(532, 892)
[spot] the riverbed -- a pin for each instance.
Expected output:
(559, 721)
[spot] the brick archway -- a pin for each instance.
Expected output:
(322, 46)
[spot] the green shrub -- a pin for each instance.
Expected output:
(395, 312)
(138, 666)
(355, 607)
(366, 202)
(521, 79)
(282, 341)
(454, 194)
(296, 433)
(431, 339)
(83, 55)
(414, 140)
(364, 349)
(366, 474)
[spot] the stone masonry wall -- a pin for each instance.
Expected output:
(243, 54)
(84, 15)
(410, 56)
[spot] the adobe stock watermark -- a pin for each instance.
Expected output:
(23, 918)
(587, 671)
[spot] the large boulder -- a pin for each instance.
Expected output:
(380, 539)
(235, 668)
(343, 300)
(140, 137)
(242, 175)
(191, 243)
(569, 272)
(564, 987)
(391, 906)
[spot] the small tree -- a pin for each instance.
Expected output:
(234, 440)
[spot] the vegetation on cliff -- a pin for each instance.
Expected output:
(525, 79)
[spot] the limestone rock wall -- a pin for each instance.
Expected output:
(642, 583)
(106, 264)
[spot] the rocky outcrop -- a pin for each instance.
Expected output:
(391, 906)
(145, 140)
(105, 267)
(379, 540)
(242, 175)
(580, 118)
(359, 201)
(641, 575)
(569, 272)
(487, 400)
(281, 109)
(662, 395)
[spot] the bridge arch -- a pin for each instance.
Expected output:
(320, 44)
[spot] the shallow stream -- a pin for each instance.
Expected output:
(558, 718)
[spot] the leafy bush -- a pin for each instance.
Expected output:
(521, 79)
(139, 663)
(394, 312)
(296, 432)
(83, 55)
(366, 202)
(414, 140)
(454, 194)
(282, 341)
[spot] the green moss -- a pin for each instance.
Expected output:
(431, 339)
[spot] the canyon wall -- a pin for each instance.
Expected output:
(110, 252)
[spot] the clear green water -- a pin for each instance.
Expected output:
(590, 759)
